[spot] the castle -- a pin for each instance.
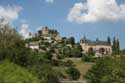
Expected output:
(47, 33)
(99, 47)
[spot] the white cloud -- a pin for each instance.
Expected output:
(24, 31)
(9, 13)
(96, 10)
(123, 11)
(39, 28)
(49, 1)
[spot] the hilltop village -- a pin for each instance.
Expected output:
(53, 37)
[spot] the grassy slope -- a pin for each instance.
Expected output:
(82, 66)
(12, 73)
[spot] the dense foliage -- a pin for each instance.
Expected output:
(12, 73)
(107, 70)
(12, 48)
(73, 73)
(89, 57)
(115, 47)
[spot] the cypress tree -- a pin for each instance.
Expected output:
(117, 46)
(109, 40)
(114, 45)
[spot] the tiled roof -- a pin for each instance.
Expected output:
(89, 42)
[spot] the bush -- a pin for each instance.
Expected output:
(45, 73)
(48, 55)
(73, 73)
(87, 58)
(69, 63)
(107, 70)
(55, 62)
(12, 73)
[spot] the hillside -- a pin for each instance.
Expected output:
(83, 67)
(12, 73)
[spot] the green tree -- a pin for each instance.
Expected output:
(45, 73)
(73, 73)
(71, 40)
(12, 47)
(116, 46)
(107, 70)
(10, 38)
(109, 40)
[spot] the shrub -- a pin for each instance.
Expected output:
(69, 63)
(45, 73)
(87, 58)
(55, 62)
(73, 73)
(12, 73)
(107, 70)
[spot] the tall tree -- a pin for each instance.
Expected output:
(109, 40)
(117, 46)
(9, 37)
(114, 45)
(71, 40)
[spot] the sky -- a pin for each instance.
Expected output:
(92, 18)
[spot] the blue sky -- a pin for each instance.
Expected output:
(54, 14)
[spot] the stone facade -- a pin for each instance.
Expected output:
(48, 34)
(43, 31)
(99, 47)
(58, 38)
(33, 45)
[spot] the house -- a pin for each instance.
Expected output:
(99, 47)
(58, 38)
(33, 45)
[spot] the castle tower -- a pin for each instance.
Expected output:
(45, 30)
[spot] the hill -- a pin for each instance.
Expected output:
(12, 73)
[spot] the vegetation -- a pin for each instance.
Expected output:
(109, 40)
(89, 57)
(107, 70)
(55, 60)
(45, 73)
(73, 73)
(12, 73)
(12, 48)
(115, 47)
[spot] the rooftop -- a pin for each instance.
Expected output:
(97, 42)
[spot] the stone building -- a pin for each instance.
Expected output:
(99, 47)
(58, 38)
(43, 31)
(48, 34)
(33, 45)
